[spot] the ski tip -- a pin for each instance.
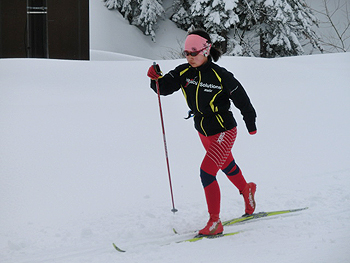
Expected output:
(117, 248)
(298, 209)
(174, 230)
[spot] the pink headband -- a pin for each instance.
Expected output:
(195, 43)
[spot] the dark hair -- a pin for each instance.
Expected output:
(215, 53)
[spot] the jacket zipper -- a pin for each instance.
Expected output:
(197, 104)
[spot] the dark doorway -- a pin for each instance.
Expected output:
(37, 42)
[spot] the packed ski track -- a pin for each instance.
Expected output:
(82, 164)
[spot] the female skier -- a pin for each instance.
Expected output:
(208, 89)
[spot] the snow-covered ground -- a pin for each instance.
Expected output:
(82, 161)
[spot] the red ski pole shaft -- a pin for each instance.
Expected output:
(165, 146)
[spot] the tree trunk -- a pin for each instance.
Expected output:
(263, 47)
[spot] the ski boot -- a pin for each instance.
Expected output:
(213, 227)
(248, 195)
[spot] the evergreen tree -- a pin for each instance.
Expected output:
(141, 13)
(182, 14)
(150, 10)
(128, 8)
(266, 28)
(280, 25)
(217, 17)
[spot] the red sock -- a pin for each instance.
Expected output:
(212, 194)
(238, 180)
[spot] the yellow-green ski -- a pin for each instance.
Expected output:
(243, 219)
(117, 248)
(199, 237)
(237, 220)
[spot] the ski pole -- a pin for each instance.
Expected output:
(174, 210)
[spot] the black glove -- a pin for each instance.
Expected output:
(251, 128)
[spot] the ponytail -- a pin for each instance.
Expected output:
(215, 53)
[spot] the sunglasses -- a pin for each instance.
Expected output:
(192, 53)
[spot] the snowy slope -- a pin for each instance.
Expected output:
(109, 31)
(82, 163)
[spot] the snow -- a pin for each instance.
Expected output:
(230, 4)
(109, 31)
(82, 162)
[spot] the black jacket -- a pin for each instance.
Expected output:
(208, 90)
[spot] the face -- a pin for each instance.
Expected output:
(195, 48)
(196, 61)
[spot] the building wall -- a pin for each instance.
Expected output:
(67, 30)
(13, 17)
(68, 24)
